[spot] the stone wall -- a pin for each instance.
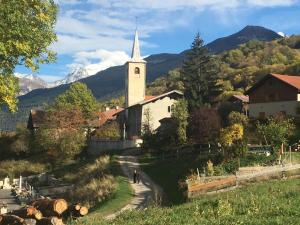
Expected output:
(98, 147)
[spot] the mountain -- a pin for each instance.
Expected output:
(241, 37)
(110, 82)
(29, 82)
(76, 74)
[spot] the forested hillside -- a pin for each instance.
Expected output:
(240, 68)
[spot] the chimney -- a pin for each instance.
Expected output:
(106, 109)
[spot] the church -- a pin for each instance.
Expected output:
(140, 108)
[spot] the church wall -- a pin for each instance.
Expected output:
(158, 110)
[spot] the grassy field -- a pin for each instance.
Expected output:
(272, 203)
(168, 172)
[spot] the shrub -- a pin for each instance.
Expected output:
(210, 168)
(231, 166)
(110, 131)
(238, 118)
(14, 169)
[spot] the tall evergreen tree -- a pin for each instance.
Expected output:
(200, 74)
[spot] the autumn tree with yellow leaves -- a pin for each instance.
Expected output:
(26, 32)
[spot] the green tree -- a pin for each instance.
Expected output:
(180, 115)
(200, 76)
(62, 134)
(22, 141)
(79, 95)
(238, 118)
(26, 31)
(276, 131)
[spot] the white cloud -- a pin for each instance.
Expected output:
(271, 3)
(108, 25)
(87, 25)
(95, 61)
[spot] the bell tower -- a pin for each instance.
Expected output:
(135, 78)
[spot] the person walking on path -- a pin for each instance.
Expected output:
(138, 177)
(135, 174)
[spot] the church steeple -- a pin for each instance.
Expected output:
(135, 80)
(136, 53)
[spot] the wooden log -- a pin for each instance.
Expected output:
(28, 212)
(50, 221)
(77, 206)
(83, 211)
(51, 207)
(11, 220)
(75, 211)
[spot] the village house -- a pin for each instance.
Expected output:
(139, 108)
(274, 94)
(240, 103)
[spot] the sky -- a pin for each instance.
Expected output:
(97, 34)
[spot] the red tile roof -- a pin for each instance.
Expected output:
(108, 115)
(148, 97)
(291, 80)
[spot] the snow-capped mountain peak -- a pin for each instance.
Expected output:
(77, 73)
(29, 82)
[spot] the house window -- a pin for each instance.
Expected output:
(169, 109)
(137, 70)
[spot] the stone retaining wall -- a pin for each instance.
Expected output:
(98, 147)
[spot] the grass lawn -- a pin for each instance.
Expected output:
(274, 202)
(168, 172)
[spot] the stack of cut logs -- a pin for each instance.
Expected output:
(44, 212)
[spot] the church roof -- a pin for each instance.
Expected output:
(136, 53)
(146, 101)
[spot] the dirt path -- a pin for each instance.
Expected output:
(146, 192)
(7, 198)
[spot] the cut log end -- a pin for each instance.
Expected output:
(77, 206)
(60, 205)
(83, 211)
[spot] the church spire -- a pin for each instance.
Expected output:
(136, 54)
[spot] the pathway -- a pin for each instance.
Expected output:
(146, 192)
(7, 198)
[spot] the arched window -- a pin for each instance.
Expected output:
(137, 70)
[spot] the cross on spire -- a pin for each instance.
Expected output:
(136, 54)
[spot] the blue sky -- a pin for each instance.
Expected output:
(97, 34)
